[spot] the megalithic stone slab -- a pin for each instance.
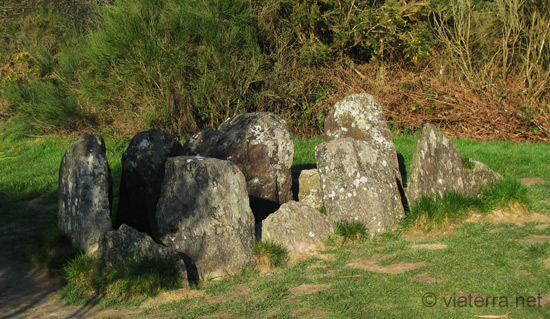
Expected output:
(478, 176)
(204, 213)
(142, 174)
(436, 166)
(85, 193)
(262, 147)
(359, 184)
(309, 188)
(118, 245)
(296, 226)
(361, 117)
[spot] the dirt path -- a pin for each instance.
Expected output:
(28, 292)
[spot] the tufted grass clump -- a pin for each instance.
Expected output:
(269, 254)
(434, 210)
(454, 207)
(89, 281)
(467, 163)
(350, 231)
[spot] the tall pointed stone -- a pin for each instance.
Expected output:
(85, 193)
(436, 167)
(359, 184)
(361, 117)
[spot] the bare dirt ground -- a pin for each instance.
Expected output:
(28, 292)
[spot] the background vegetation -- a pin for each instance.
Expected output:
(476, 68)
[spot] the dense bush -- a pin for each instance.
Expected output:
(182, 65)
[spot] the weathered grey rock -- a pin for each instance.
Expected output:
(85, 193)
(142, 174)
(296, 226)
(127, 242)
(436, 167)
(359, 184)
(478, 176)
(309, 189)
(262, 147)
(361, 117)
(203, 212)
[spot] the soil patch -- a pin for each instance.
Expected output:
(28, 292)
(294, 258)
(513, 215)
(435, 231)
(220, 315)
(530, 181)
(172, 296)
(236, 291)
(306, 289)
(426, 279)
(534, 239)
(307, 313)
(546, 263)
(372, 265)
(327, 257)
(545, 301)
(429, 246)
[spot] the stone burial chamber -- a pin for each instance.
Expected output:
(203, 204)
(191, 208)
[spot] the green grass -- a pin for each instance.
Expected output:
(454, 207)
(91, 282)
(28, 191)
(304, 152)
(481, 258)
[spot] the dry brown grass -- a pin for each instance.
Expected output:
(413, 96)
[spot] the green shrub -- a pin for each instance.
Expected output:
(322, 31)
(269, 254)
(43, 106)
(179, 64)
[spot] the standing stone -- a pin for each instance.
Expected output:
(126, 242)
(295, 226)
(478, 176)
(262, 147)
(436, 167)
(203, 212)
(142, 174)
(309, 188)
(359, 184)
(85, 193)
(361, 117)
